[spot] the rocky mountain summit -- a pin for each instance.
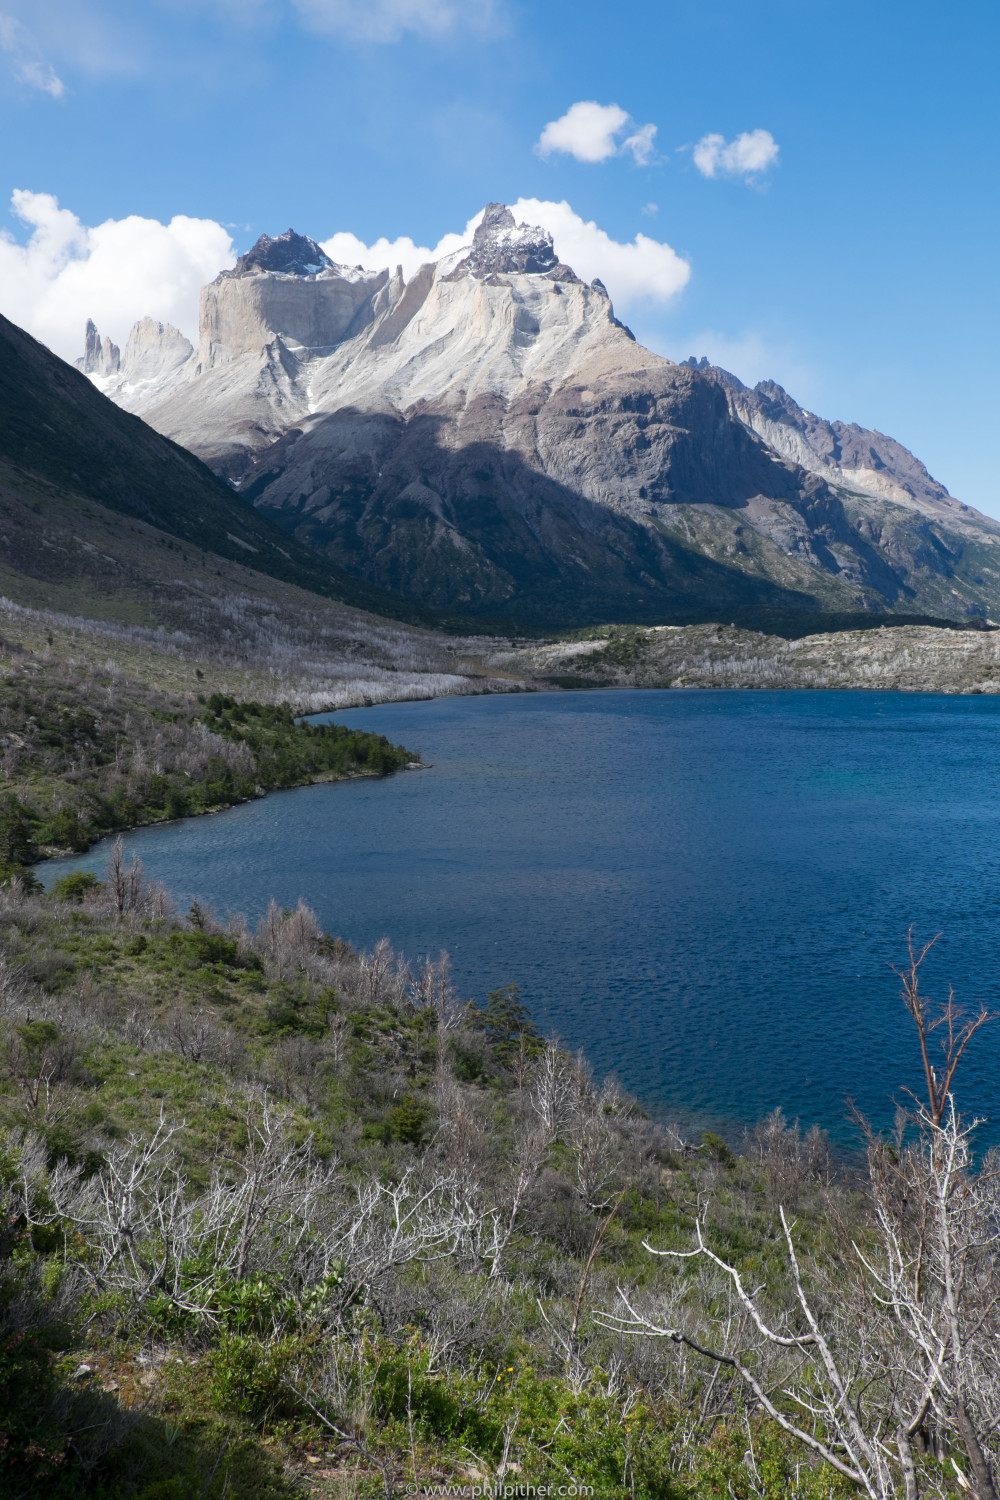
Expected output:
(487, 437)
(502, 247)
(289, 254)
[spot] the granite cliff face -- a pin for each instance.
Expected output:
(488, 437)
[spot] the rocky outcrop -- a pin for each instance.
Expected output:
(288, 254)
(502, 247)
(100, 356)
(487, 437)
(285, 288)
(857, 458)
(154, 352)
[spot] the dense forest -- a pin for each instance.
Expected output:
(280, 1218)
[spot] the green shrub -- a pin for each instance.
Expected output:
(250, 1374)
(202, 949)
(74, 887)
(468, 1066)
(759, 1460)
(17, 843)
(507, 1023)
(717, 1149)
(65, 831)
(408, 1122)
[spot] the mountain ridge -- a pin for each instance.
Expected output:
(55, 428)
(487, 436)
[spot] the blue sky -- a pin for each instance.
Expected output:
(856, 264)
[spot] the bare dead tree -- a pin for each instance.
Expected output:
(129, 891)
(383, 978)
(903, 1360)
(951, 1020)
(552, 1088)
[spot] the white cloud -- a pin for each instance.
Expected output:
(642, 144)
(749, 154)
(348, 250)
(26, 61)
(639, 270)
(589, 132)
(642, 270)
(115, 272)
(389, 20)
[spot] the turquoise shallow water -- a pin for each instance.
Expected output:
(702, 890)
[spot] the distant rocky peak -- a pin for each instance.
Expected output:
(715, 372)
(776, 400)
(502, 247)
(100, 356)
(288, 254)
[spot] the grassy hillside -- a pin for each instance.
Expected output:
(369, 1313)
(281, 1219)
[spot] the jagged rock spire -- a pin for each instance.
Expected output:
(503, 247)
(100, 356)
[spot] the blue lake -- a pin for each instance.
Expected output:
(703, 890)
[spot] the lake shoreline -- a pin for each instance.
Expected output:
(703, 891)
(52, 856)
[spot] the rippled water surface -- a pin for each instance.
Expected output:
(703, 890)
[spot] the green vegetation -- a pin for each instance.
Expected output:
(279, 1218)
(84, 757)
(382, 1311)
(626, 647)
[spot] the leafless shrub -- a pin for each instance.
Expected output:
(901, 1356)
(293, 1070)
(15, 989)
(382, 977)
(286, 939)
(274, 1210)
(192, 1034)
(789, 1158)
(127, 891)
(338, 1035)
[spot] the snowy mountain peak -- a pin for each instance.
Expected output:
(486, 436)
(287, 254)
(502, 247)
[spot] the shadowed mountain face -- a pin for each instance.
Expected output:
(487, 437)
(62, 438)
(471, 525)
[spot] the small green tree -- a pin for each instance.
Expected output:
(506, 1021)
(74, 887)
(17, 844)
